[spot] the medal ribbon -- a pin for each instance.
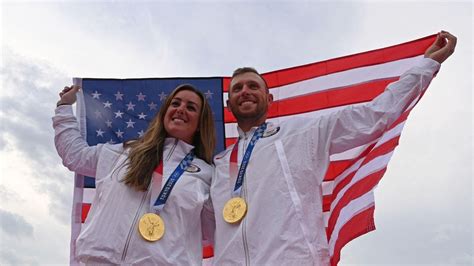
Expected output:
(245, 160)
(160, 201)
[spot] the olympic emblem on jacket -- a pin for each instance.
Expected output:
(192, 168)
(270, 132)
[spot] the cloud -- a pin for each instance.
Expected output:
(10, 256)
(15, 225)
(28, 100)
(7, 195)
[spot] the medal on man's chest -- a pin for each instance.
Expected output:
(234, 210)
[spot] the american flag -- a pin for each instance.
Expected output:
(115, 110)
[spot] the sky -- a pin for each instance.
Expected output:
(424, 203)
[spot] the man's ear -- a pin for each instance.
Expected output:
(270, 99)
(228, 106)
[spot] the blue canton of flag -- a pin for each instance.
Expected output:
(118, 110)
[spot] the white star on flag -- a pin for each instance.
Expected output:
(107, 104)
(152, 106)
(98, 114)
(208, 94)
(100, 132)
(141, 97)
(140, 133)
(118, 96)
(118, 114)
(142, 115)
(130, 123)
(162, 96)
(130, 106)
(108, 123)
(119, 133)
(96, 95)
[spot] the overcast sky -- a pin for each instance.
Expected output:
(424, 204)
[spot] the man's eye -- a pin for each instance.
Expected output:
(236, 88)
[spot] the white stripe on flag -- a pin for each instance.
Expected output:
(373, 166)
(328, 187)
(350, 210)
(88, 195)
(392, 133)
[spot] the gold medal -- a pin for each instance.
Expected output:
(151, 227)
(234, 210)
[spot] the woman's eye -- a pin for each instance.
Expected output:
(192, 108)
(175, 104)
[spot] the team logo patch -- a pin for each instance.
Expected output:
(270, 132)
(192, 168)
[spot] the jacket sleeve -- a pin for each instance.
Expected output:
(74, 151)
(357, 125)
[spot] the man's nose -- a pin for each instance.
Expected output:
(245, 89)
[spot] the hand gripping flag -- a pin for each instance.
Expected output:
(115, 110)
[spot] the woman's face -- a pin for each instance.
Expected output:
(182, 117)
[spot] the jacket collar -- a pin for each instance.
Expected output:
(176, 147)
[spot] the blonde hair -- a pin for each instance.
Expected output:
(146, 152)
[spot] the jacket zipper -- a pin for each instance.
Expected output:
(244, 222)
(130, 232)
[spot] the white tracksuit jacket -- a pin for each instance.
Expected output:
(282, 186)
(110, 234)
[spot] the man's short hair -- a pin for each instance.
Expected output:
(242, 70)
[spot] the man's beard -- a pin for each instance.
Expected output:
(255, 115)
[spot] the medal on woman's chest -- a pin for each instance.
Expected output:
(151, 226)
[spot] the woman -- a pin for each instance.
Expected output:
(137, 216)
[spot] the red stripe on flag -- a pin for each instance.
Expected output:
(327, 200)
(360, 224)
(322, 100)
(383, 149)
(378, 151)
(400, 120)
(230, 141)
(85, 210)
(379, 56)
(358, 189)
(336, 168)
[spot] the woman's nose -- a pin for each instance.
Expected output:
(180, 108)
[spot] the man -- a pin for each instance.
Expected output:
(266, 190)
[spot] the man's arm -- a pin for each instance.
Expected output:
(357, 125)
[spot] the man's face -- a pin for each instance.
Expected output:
(248, 97)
